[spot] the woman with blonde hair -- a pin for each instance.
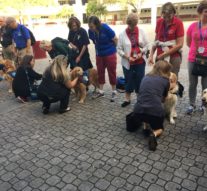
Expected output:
(56, 85)
(148, 109)
(132, 47)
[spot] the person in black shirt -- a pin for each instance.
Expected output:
(79, 41)
(6, 40)
(56, 85)
(57, 46)
(153, 90)
(21, 86)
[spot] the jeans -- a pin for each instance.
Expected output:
(193, 82)
(134, 77)
(64, 100)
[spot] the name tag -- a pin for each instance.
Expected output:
(201, 49)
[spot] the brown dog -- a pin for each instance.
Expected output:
(80, 88)
(171, 99)
(8, 67)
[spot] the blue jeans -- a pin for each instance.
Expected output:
(134, 77)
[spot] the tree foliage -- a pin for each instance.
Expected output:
(135, 4)
(65, 11)
(94, 8)
(21, 4)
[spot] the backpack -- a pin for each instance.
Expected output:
(120, 84)
(61, 40)
(32, 37)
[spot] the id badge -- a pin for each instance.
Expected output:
(165, 49)
(201, 49)
(135, 55)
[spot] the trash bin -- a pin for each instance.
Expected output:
(38, 52)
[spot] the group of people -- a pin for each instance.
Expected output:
(134, 49)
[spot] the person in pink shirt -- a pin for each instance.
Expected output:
(197, 43)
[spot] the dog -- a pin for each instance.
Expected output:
(81, 87)
(204, 104)
(171, 99)
(8, 72)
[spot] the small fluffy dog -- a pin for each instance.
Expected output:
(7, 72)
(171, 100)
(81, 88)
(204, 104)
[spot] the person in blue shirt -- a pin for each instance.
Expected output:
(105, 41)
(21, 38)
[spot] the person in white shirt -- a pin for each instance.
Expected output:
(133, 48)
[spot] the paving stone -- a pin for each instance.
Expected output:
(35, 183)
(102, 184)
(188, 184)
(150, 177)
(5, 186)
(202, 181)
(68, 178)
(85, 186)
(69, 187)
(53, 180)
(196, 171)
(154, 187)
(20, 185)
(100, 173)
(171, 186)
(134, 180)
(118, 182)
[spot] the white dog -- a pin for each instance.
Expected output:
(204, 105)
(171, 100)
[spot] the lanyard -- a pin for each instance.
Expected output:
(165, 30)
(202, 37)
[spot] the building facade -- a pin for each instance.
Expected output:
(148, 10)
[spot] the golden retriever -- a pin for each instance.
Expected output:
(81, 88)
(5, 73)
(204, 104)
(171, 100)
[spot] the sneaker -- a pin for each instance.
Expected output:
(45, 110)
(113, 96)
(22, 99)
(125, 103)
(190, 110)
(64, 110)
(97, 95)
(201, 109)
(152, 142)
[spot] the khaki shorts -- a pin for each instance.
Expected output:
(8, 52)
(21, 53)
(176, 62)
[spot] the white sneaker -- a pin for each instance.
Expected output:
(113, 96)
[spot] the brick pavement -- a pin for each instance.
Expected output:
(88, 149)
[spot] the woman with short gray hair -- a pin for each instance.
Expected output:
(132, 47)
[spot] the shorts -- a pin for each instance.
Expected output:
(109, 63)
(155, 122)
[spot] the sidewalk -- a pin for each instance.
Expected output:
(88, 149)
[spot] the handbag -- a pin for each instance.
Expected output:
(120, 84)
(200, 66)
(32, 88)
(132, 122)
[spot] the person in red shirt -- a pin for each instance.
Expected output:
(169, 38)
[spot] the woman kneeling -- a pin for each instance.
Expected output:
(56, 85)
(153, 90)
